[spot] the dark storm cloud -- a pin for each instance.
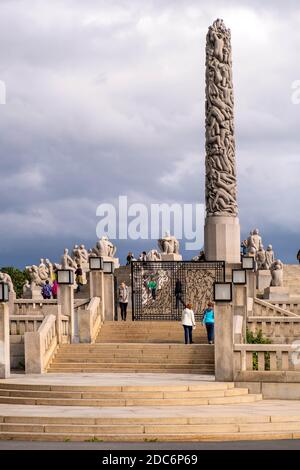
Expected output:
(107, 98)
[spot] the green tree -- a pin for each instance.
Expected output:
(18, 278)
(258, 338)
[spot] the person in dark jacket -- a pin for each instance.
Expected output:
(298, 256)
(178, 293)
(79, 278)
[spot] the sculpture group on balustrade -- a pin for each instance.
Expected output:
(46, 271)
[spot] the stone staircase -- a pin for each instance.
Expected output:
(206, 393)
(138, 347)
(131, 357)
(291, 278)
(148, 332)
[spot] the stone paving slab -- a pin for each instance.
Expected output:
(277, 410)
(107, 378)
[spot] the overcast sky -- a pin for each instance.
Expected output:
(106, 98)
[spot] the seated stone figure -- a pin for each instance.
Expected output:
(66, 261)
(169, 244)
(277, 273)
(104, 247)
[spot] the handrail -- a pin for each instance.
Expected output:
(270, 306)
(90, 320)
(40, 346)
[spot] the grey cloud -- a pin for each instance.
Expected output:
(107, 98)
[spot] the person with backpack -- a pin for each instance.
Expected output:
(209, 322)
(46, 290)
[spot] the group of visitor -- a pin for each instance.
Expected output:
(49, 291)
(189, 323)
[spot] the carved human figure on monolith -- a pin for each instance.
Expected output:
(220, 145)
(222, 229)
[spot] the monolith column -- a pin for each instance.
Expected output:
(222, 228)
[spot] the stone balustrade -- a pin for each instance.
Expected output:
(291, 305)
(262, 308)
(40, 346)
(266, 357)
(35, 307)
(278, 329)
(90, 320)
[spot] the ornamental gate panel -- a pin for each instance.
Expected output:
(154, 285)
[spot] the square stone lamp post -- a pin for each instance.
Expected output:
(4, 331)
(65, 279)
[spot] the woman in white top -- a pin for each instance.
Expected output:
(188, 322)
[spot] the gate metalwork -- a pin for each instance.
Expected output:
(155, 283)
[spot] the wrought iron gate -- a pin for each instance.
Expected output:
(154, 284)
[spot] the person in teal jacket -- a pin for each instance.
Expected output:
(209, 322)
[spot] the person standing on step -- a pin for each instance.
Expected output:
(209, 322)
(123, 295)
(79, 278)
(54, 289)
(188, 322)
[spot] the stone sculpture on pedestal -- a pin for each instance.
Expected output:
(260, 258)
(277, 273)
(270, 257)
(169, 246)
(4, 277)
(222, 229)
(104, 247)
(153, 255)
(66, 261)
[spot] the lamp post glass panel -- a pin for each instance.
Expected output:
(4, 292)
(65, 276)
(96, 263)
(248, 262)
(222, 291)
(108, 267)
(239, 276)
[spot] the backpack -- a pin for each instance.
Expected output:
(46, 290)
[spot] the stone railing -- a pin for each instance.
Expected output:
(279, 329)
(35, 307)
(268, 358)
(90, 320)
(262, 308)
(20, 324)
(40, 346)
(291, 305)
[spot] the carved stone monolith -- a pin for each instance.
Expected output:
(222, 228)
